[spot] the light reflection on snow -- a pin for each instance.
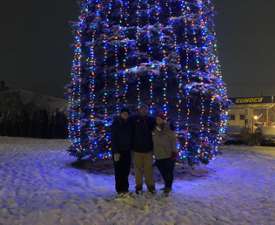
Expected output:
(39, 186)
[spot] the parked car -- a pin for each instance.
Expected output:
(236, 135)
(268, 135)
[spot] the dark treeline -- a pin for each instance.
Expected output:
(37, 124)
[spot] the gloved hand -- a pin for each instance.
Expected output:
(116, 157)
(174, 156)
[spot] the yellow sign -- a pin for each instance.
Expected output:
(249, 100)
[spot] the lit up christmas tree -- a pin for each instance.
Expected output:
(159, 52)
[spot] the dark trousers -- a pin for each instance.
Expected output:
(166, 168)
(122, 171)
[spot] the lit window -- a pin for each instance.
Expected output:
(242, 117)
(231, 117)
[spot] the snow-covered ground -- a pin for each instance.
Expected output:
(39, 186)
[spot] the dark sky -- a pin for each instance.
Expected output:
(35, 44)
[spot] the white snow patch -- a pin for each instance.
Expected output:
(39, 186)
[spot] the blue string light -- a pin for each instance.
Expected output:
(162, 53)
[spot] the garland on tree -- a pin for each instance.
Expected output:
(159, 52)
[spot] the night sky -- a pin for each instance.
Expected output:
(35, 45)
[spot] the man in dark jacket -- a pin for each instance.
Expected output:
(121, 148)
(143, 125)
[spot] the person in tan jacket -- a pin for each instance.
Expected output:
(165, 151)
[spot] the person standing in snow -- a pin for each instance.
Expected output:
(165, 151)
(143, 125)
(121, 148)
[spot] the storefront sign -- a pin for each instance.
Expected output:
(253, 100)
